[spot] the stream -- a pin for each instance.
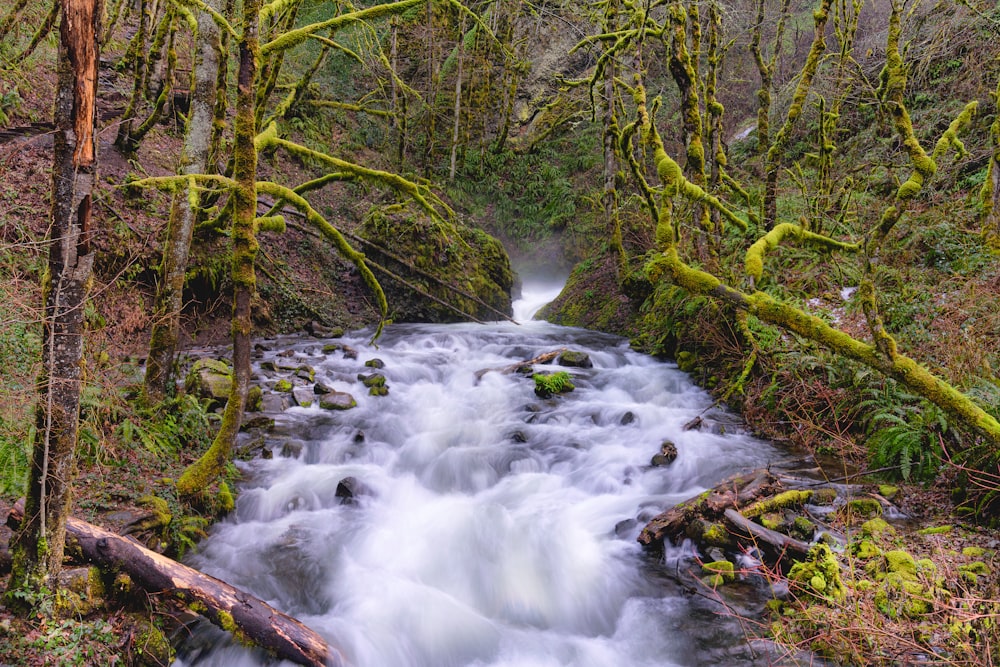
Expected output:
(489, 527)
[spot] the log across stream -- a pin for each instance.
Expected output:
(461, 519)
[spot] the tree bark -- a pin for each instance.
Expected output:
(40, 540)
(194, 160)
(233, 610)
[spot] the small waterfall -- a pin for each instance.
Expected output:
(491, 528)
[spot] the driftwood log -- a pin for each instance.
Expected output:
(736, 491)
(543, 358)
(233, 610)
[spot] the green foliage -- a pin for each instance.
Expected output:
(906, 434)
(547, 384)
(112, 427)
(15, 449)
(532, 195)
(73, 642)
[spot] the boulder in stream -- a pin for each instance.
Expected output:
(210, 378)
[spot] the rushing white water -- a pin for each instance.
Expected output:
(498, 528)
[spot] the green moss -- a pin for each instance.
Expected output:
(888, 491)
(901, 563)
(863, 507)
(771, 520)
(865, 549)
(934, 530)
(973, 552)
(715, 534)
(687, 361)
(820, 573)
(876, 527)
(723, 569)
(283, 386)
(780, 501)
(225, 500)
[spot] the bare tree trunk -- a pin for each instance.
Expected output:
(40, 541)
(200, 474)
(194, 159)
(458, 101)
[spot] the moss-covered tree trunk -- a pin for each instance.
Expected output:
(775, 153)
(206, 469)
(39, 543)
(183, 210)
(765, 68)
(991, 187)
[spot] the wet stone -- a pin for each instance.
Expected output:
(304, 396)
(375, 363)
(575, 359)
(667, 455)
(337, 400)
(292, 449)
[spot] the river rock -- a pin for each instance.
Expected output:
(274, 403)
(337, 400)
(375, 383)
(211, 379)
(350, 488)
(667, 455)
(375, 363)
(304, 396)
(575, 359)
(349, 352)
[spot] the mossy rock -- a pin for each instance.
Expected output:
(284, 386)
(862, 508)
(877, 528)
(150, 646)
(438, 254)
(337, 400)
(575, 359)
(718, 572)
(819, 573)
(548, 384)
(211, 379)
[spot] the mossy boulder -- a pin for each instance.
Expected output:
(819, 574)
(463, 267)
(336, 400)
(575, 359)
(211, 379)
(718, 572)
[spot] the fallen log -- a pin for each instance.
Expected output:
(506, 370)
(235, 611)
(735, 491)
(778, 541)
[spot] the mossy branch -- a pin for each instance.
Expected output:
(347, 106)
(676, 184)
(219, 19)
(332, 234)
(420, 194)
(754, 261)
(788, 317)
